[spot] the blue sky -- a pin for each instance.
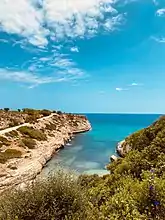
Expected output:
(83, 55)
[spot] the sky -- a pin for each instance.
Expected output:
(83, 55)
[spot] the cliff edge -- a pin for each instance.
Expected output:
(25, 149)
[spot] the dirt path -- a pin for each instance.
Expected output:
(25, 124)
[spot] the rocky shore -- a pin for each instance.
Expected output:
(19, 171)
(123, 148)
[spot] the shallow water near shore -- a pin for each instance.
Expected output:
(90, 152)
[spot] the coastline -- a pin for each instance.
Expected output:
(29, 167)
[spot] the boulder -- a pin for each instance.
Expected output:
(113, 158)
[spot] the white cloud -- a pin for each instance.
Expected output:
(44, 59)
(74, 49)
(60, 69)
(24, 19)
(25, 77)
(111, 24)
(64, 18)
(35, 22)
(161, 12)
(119, 89)
(134, 84)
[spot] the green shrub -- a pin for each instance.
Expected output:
(13, 133)
(14, 122)
(28, 142)
(31, 119)
(30, 111)
(59, 112)
(9, 154)
(6, 109)
(51, 126)
(32, 133)
(45, 112)
(4, 141)
(57, 198)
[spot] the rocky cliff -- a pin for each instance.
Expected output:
(25, 151)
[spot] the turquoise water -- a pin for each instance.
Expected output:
(90, 152)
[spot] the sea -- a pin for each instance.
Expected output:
(90, 152)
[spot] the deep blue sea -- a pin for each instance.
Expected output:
(90, 152)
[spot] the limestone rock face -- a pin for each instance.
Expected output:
(113, 158)
(59, 129)
(122, 148)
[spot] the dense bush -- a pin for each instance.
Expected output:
(13, 133)
(32, 133)
(28, 142)
(31, 119)
(4, 141)
(30, 111)
(135, 189)
(59, 112)
(6, 109)
(45, 112)
(9, 154)
(14, 122)
(51, 126)
(58, 198)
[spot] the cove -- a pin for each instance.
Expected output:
(90, 152)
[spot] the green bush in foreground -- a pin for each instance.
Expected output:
(57, 198)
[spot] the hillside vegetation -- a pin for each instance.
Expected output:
(135, 189)
(11, 118)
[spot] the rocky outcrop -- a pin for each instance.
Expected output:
(113, 158)
(122, 148)
(21, 170)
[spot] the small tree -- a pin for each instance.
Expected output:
(6, 109)
(19, 110)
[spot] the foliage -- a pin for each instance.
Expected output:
(134, 189)
(45, 112)
(59, 197)
(6, 109)
(13, 133)
(14, 122)
(51, 126)
(9, 154)
(31, 119)
(32, 133)
(59, 112)
(28, 142)
(4, 141)
(30, 111)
